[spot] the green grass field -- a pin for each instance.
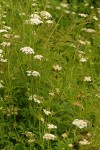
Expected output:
(49, 75)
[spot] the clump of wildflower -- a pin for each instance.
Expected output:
(64, 5)
(83, 15)
(5, 44)
(27, 50)
(8, 36)
(33, 73)
(84, 142)
(35, 19)
(88, 30)
(95, 18)
(88, 79)
(1, 84)
(49, 136)
(64, 135)
(11, 111)
(45, 14)
(39, 57)
(31, 141)
(80, 123)
(84, 42)
(70, 145)
(36, 98)
(47, 112)
(3, 30)
(49, 21)
(57, 67)
(29, 134)
(97, 95)
(51, 126)
(83, 60)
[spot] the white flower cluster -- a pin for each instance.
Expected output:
(5, 44)
(88, 79)
(47, 112)
(27, 50)
(88, 30)
(84, 142)
(33, 73)
(38, 18)
(3, 30)
(45, 15)
(39, 57)
(80, 123)
(36, 98)
(83, 15)
(1, 56)
(49, 136)
(1, 84)
(51, 126)
(57, 67)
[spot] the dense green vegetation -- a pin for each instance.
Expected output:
(49, 75)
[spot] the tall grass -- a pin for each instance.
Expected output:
(41, 94)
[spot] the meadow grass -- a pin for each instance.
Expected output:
(49, 75)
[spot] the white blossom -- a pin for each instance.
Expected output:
(27, 50)
(39, 57)
(4, 44)
(47, 112)
(3, 30)
(88, 79)
(80, 123)
(49, 136)
(51, 126)
(83, 60)
(45, 14)
(57, 67)
(84, 142)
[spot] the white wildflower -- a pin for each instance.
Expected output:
(1, 51)
(35, 74)
(39, 57)
(58, 8)
(29, 73)
(34, 21)
(47, 112)
(1, 84)
(27, 50)
(36, 98)
(7, 27)
(88, 79)
(95, 18)
(64, 135)
(70, 145)
(51, 126)
(35, 15)
(4, 44)
(45, 14)
(49, 21)
(29, 134)
(97, 95)
(84, 142)
(49, 136)
(83, 60)
(80, 123)
(31, 140)
(64, 5)
(3, 30)
(57, 67)
(83, 15)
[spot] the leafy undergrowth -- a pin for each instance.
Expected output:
(49, 75)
